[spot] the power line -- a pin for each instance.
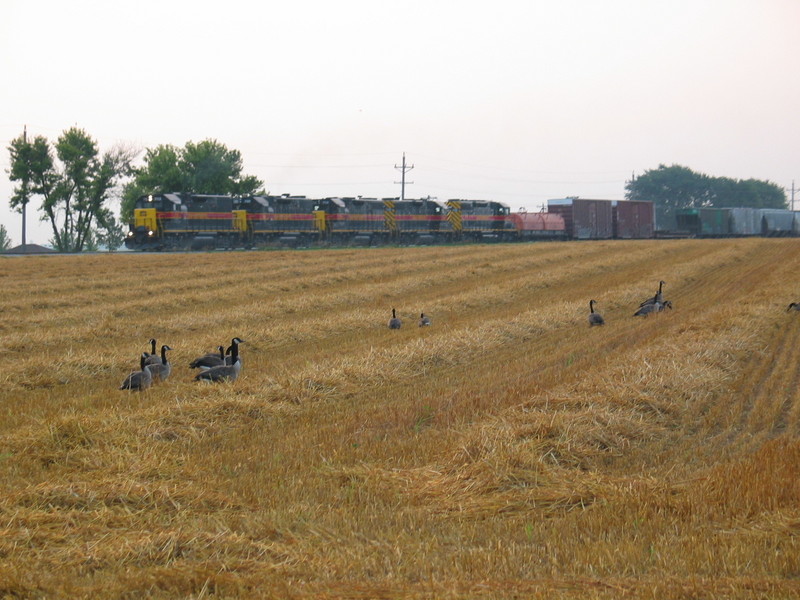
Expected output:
(403, 169)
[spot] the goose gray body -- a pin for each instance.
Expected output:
(652, 308)
(224, 372)
(658, 298)
(395, 322)
(139, 380)
(595, 318)
(424, 321)
(161, 371)
(209, 360)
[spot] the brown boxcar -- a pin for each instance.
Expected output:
(584, 219)
(633, 219)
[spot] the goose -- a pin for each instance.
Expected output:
(224, 372)
(423, 320)
(229, 352)
(793, 306)
(139, 380)
(652, 307)
(594, 317)
(395, 322)
(152, 357)
(162, 370)
(658, 298)
(209, 360)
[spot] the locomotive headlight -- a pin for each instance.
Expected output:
(151, 233)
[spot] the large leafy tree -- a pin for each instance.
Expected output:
(74, 181)
(207, 167)
(675, 187)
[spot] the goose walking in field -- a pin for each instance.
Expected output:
(209, 360)
(152, 357)
(395, 322)
(139, 380)
(224, 372)
(161, 371)
(595, 318)
(424, 321)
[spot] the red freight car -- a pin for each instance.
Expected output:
(538, 225)
(633, 219)
(584, 219)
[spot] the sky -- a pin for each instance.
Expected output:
(518, 101)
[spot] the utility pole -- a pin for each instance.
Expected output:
(792, 205)
(25, 188)
(403, 169)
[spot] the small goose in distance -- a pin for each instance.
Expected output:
(395, 322)
(209, 360)
(161, 371)
(224, 372)
(139, 380)
(424, 321)
(152, 357)
(595, 318)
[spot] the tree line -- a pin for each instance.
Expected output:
(675, 187)
(77, 184)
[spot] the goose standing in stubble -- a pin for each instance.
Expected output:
(161, 371)
(224, 372)
(139, 380)
(395, 322)
(424, 321)
(595, 318)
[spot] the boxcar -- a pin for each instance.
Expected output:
(585, 219)
(633, 219)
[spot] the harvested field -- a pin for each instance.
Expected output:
(507, 451)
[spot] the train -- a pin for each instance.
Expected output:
(179, 221)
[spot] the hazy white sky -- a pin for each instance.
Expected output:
(513, 100)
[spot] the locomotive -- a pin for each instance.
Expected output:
(196, 221)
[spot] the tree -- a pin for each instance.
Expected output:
(5, 241)
(208, 167)
(75, 185)
(674, 187)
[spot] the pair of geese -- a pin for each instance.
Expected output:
(654, 304)
(396, 323)
(222, 366)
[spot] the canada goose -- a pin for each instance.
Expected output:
(394, 322)
(793, 305)
(594, 318)
(139, 380)
(209, 360)
(229, 352)
(224, 372)
(652, 307)
(658, 298)
(161, 371)
(424, 321)
(152, 357)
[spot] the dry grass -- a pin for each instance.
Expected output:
(507, 451)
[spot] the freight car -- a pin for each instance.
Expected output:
(737, 222)
(191, 221)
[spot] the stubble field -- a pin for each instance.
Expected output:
(507, 451)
